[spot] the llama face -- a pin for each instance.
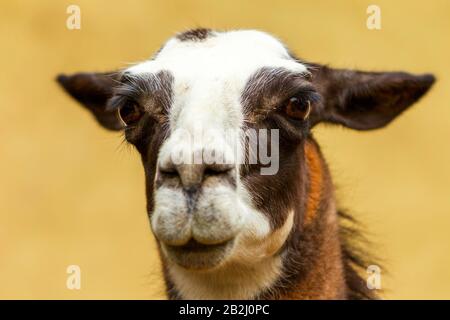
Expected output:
(202, 95)
(210, 92)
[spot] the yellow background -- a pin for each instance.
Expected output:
(73, 193)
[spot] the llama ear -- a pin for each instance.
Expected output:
(366, 100)
(93, 90)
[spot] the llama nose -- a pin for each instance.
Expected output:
(193, 175)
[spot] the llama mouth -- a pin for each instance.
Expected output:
(195, 255)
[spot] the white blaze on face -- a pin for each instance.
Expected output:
(209, 78)
(210, 75)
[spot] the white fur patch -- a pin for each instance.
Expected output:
(210, 75)
(209, 78)
(252, 267)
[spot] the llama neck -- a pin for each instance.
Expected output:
(313, 266)
(312, 262)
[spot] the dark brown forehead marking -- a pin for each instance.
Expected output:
(269, 87)
(199, 34)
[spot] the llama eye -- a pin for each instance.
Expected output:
(130, 113)
(297, 108)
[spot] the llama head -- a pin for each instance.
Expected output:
(206, 93)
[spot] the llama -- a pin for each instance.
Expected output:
(224, 230)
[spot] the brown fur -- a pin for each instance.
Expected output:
(314, 165)
(195, 34)
(317, 261)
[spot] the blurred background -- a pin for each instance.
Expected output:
(72, 193)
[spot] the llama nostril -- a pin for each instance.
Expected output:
(169, 171)
(216, 169)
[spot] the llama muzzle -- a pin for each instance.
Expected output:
(197, 213)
